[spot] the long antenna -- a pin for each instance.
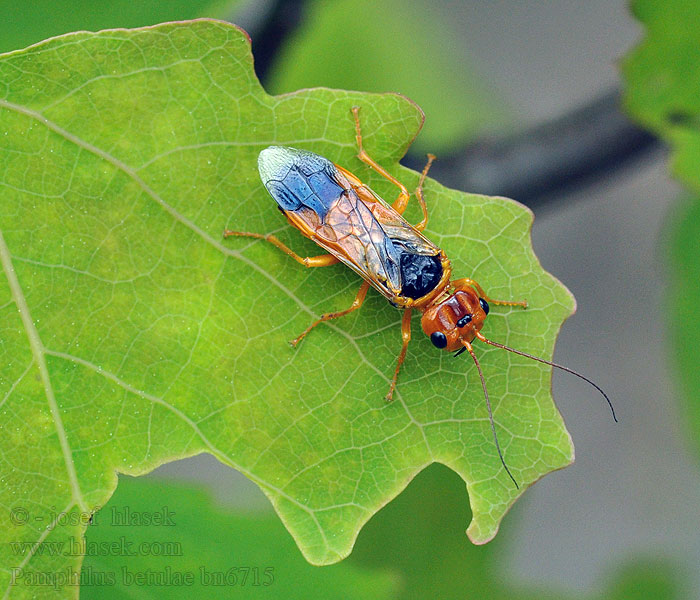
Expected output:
(469, 348)
(551, 364)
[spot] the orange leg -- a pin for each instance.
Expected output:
(323, 260)
(462, 282)
(400, 203)
(356, 303)
(406, 337)
(419, 193)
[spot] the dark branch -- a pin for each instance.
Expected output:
(531, 166)
(269, 25)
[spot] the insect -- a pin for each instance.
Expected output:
(332, 207)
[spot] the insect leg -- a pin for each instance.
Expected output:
(406, 337)
(356, 303)
(419, 193)
(323, 260)
(400, 203)
(466, 281)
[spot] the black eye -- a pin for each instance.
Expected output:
(484, 305)
(464, 320)
(438, 338)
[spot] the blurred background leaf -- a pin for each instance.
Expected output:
(662, 76)
(419, 539)
(683, 239)
(412, 550)
(405, 47)
(206, 543)
(25, 23)
(663, 93)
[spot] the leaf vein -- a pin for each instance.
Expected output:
(220, 454)
(39, 354)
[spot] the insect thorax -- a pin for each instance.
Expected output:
(419, 274)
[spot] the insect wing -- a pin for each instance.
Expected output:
(330, 206)
(402, 234)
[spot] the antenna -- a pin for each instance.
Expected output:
(551, 364)
(469, 348)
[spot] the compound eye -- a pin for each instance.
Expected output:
(438, 338)
(465, 320)
(484, 305)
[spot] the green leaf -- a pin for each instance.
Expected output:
(663, 80)
(684, 298)
(133, 334)
(663, 93)
(647, 579)
(152, 535)
(391, 45)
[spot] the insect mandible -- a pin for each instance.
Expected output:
(332, 207)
